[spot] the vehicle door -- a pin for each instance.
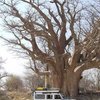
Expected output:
(57, 97)
(49, 97)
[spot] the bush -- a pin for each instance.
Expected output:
(3, 95)
(16, 95)
(14, 83)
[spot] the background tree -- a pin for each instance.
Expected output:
(90, 80)
(32, 81)
(14, 83)
(3, 74)
(98, 80)
(63, 35)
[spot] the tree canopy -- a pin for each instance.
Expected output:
(61, 35)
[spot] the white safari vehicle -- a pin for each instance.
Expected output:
(51, 94)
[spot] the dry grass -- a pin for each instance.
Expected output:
(19, 96)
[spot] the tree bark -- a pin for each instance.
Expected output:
(69, 85)
(72, 83)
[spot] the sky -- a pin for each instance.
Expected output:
(12, 64)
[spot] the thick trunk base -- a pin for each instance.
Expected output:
(69, 85)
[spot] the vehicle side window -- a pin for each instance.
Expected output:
(39, 96)
(49, 96)
(57, 97)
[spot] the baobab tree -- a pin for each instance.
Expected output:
(62, 34)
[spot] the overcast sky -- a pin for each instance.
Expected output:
(13, 64)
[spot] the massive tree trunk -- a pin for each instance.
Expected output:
(72, 83)
(69, 83)
(66, 78)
